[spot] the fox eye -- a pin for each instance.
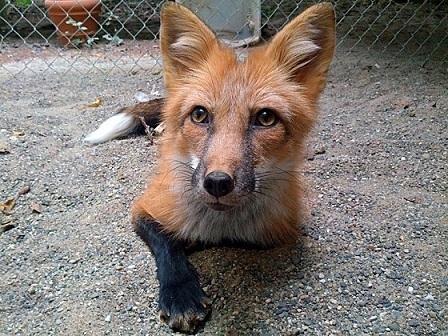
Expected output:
(266, 118)
(199, 115)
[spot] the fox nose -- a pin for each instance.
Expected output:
(218, 183)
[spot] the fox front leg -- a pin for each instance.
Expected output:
(183, 305)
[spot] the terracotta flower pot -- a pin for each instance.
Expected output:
(82, 17)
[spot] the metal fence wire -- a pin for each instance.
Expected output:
(398, 29)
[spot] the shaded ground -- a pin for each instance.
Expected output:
(372, 260)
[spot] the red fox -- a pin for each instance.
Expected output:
(228, 161)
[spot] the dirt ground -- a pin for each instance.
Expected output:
(372, 259)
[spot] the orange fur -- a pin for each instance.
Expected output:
(286, 76)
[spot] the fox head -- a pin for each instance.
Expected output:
(235, 126)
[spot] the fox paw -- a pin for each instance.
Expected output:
(184, 306)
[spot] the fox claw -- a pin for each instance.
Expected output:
(188, 320)
(184, 306)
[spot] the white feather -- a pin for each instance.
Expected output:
(118, 125)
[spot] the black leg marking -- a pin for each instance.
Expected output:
(183, 305)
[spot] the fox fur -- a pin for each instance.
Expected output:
(234, 133)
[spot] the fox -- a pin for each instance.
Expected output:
(228, 162)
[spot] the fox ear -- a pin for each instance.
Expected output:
(305, 47)
(185, 41)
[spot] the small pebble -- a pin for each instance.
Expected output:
(394, 326)
(429, 297)
(413, 323)
(24, 190)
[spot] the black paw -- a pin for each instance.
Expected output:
(183, 306)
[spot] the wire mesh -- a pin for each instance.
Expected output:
(128, 31)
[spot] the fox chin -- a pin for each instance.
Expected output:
(232, 146)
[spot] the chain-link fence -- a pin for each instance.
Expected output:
(126, 32)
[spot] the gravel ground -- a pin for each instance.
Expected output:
(372, 259)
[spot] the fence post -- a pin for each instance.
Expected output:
(3, 13)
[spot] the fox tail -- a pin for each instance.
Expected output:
(128, 120)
